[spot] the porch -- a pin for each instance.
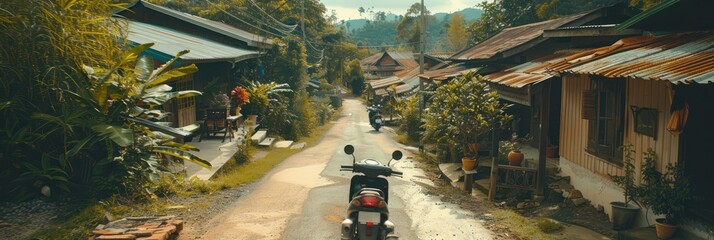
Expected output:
(216, 151)
(482, 178)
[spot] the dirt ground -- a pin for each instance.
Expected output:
(581, 222)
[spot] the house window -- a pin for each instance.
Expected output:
(603, 107)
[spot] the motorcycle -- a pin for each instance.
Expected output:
(375, 117)
(367, 213)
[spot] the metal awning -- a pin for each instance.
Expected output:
(531, 72)
(168, 42)
(678, 58)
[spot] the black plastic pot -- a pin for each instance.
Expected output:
(623, 215)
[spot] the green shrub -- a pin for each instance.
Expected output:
(549, 226)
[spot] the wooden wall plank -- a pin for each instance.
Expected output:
(641, 93)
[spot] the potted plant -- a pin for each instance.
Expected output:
(239, 97)
(512, 148)
(624, 213)
(667, 193)
(461, 111)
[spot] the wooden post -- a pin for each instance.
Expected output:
(543, 137)
(494, 178)
(494, 164)
(469, 180)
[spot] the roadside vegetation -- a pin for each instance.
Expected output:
(73, 91)
(240, 170)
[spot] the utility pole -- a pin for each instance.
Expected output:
(421, 39)
(302, 21)
(421, 60)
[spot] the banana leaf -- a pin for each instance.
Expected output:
(121, 136)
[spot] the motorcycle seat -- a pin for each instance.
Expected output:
(369, 191)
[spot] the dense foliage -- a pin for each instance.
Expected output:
(355, 77)
(500, 14)
(410, 123)
(68, 89)
(461, 111)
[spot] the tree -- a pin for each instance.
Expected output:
(500, 14)
(456, 36)
(361, 10)
(356, 77)
(462, 110)
(410, 27)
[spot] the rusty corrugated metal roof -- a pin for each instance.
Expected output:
(449, 72)
(399, 78)
(678, 58)
(529, 73)
(512, 37)
(371, 60)
(405, 59)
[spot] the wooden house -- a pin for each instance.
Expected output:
(385, 64)
(637, 91)
(216, 48)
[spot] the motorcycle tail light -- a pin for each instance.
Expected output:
(356, 203)
(370, 201)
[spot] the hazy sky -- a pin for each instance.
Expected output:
(347, 9)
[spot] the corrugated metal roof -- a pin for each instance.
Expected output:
(528, 73)
(441, 55)
(219, 27)
(405, 59)
(449, 72)
(168, 42)
(371, 60)
(512, 37)
(678, 58)
(405, 80)
(409, 84)
(384, 82)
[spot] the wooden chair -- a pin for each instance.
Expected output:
(215, 122)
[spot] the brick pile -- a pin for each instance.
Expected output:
(139, 228)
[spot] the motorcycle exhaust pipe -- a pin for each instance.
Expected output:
(347, 229)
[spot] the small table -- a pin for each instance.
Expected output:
(469, 179)
(232, 120)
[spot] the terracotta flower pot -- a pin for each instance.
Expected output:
(515, 158)
(664, 230)
(467, 163)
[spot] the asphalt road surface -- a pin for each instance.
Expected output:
(305, 197)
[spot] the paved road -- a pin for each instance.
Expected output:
(305, 197)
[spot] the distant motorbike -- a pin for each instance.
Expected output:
(367, 213)
(375, 117)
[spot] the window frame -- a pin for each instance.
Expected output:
(606, 125)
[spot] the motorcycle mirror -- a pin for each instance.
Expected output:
(396, 155)
(349, 149)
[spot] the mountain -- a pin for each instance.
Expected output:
(368, 32)
(469, 14)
